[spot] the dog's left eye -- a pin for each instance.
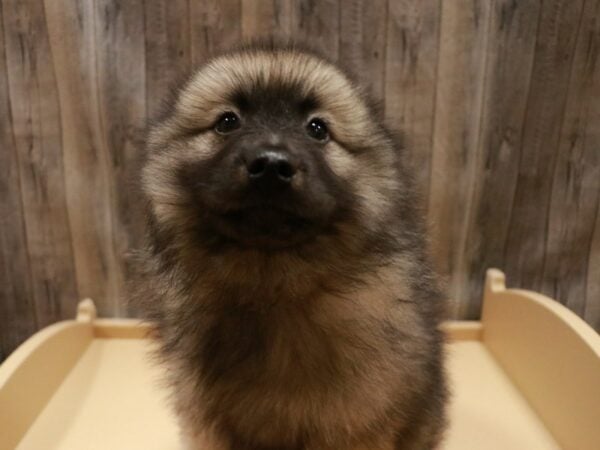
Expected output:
(227, 123)
(317, 129)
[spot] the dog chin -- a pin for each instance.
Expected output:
(266, 229)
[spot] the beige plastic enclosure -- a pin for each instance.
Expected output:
(527, 376)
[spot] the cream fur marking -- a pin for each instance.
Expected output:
(206, 95)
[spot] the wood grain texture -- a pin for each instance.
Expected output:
(89, 194)
(592, 292)
(120, 67)
(362, 43)
(455, 163)
(497, 102)
(18, 316)
(168, 49)
(317, 23)
(36, 127)
(575, 192)
(215, 25)
(412, 44)
(267, 19)
(510, 54)
(528, 223)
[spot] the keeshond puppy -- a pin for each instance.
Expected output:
(286, 271)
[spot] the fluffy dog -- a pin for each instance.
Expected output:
(286, 272)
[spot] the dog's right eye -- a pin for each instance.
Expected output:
(227, 123)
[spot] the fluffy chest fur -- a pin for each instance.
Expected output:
(279, 372)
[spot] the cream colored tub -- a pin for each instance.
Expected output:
(527, 376)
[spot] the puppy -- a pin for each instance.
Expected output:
(286, 272)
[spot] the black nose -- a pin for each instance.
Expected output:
(272, 165)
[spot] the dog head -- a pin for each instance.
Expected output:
(270, 149)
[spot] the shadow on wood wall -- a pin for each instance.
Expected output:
(499, 101)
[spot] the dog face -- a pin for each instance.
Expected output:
(270, 149)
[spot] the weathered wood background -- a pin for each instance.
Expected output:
(499, 101)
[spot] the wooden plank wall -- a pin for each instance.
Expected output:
(499, 102)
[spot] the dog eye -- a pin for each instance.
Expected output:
(317, 129)
(227, 123)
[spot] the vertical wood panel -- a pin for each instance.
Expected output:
(167, 48)
(215, 26)
(410, 78)
(17, 311)
(592, 306)
(37, 135)
(267, 19)
(575, 191)
(510, 53)
(87, 181)
(120, 65)
(455, 158)
(318, 25)
(363, 26)
(549, 81)
(497, 101)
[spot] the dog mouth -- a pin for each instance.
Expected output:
(265, 226)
